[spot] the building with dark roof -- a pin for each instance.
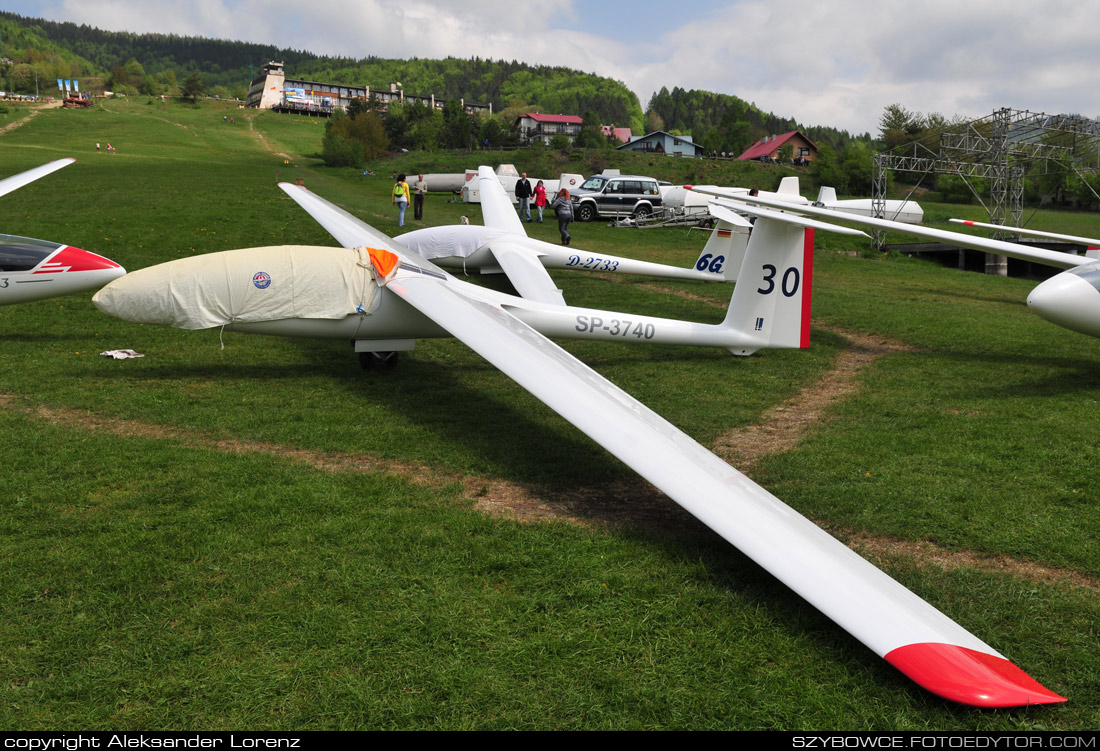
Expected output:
(660, 142)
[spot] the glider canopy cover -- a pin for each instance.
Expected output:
(450, 240)
(246, 286)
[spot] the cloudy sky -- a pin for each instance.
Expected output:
(834, 62)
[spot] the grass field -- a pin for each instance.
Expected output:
(264, 536)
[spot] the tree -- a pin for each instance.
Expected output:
(359, 106)
(856, 163)
(653, 121)
(351, 141)
(491, 133)
(193, 88)
(827, 171)
(591, 137)
(457, 128)
(22, 78)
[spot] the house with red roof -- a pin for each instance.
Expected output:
(803, 150)
(535, 126)
(622, 135)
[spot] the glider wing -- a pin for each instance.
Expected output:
(7, 185)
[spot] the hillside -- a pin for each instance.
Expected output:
(224, 63)
(728, 123)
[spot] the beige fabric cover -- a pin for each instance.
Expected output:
(250, 285)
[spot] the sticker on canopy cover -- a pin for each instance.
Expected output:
(261, 279)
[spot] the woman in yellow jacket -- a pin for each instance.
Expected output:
(401, 198)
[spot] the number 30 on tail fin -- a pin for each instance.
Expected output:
(775, 280)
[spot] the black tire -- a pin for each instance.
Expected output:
(586, 212)
(643, 212)
(380, 361)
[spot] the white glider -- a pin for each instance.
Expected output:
(403, 295)
(36, 269)
(502, 245)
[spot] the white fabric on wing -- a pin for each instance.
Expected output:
(451, 240)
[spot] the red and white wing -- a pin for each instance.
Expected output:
(1091, 243)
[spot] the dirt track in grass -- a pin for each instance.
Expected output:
(632, 502)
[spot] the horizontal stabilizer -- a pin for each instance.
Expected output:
(787, 218)
(524, 270)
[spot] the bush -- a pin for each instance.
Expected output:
(339, 151)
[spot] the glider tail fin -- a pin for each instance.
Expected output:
(771, 302)
(725, 251)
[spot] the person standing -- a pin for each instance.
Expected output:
(563, 207)
(523, 193)
(540, 199)
(420, 189)
(401, 198)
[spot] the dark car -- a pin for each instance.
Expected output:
(616, 195)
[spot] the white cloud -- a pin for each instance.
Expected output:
(837, 63)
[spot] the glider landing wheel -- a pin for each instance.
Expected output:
(380, 361)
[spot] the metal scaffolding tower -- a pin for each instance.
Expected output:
(1003, 147)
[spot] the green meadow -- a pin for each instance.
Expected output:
(239, 532)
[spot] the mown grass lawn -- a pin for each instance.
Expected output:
(173, 555)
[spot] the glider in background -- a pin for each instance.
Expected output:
(502, 245)
(36, 269)
(1070, 299)
(400, 295)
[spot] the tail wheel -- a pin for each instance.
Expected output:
(380, 361)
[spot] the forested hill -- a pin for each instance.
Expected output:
(226, 64)
(726, 123)
(503, 84)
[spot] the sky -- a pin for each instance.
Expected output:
(837, 63)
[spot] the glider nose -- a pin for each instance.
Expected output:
(103, 270)
(1070, 299)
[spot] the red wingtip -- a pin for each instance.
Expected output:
(688, 187)
(970, 677)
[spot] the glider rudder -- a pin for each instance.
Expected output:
(772, 298)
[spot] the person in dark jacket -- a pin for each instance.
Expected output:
(563, 207)
(524, 193)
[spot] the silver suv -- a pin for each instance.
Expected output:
(616, 195)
